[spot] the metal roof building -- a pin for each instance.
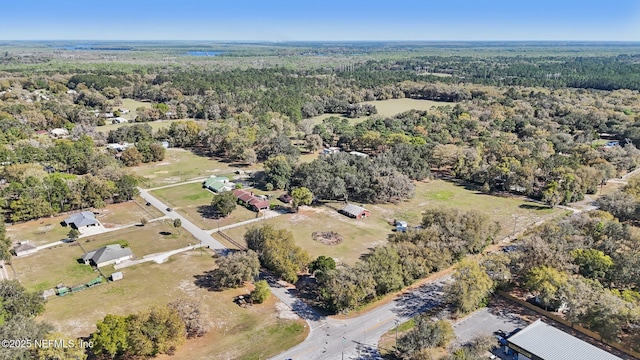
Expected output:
(540, 341)
(110, 254)
(82, 219)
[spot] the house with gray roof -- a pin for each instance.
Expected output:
(24, 248)
(82, 220)
(540, 341)
(107, 255)
(355, 211)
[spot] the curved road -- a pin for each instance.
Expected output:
(355, 338)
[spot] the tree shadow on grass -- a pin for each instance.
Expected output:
(208, 212)
(530, 206)
(208, 281)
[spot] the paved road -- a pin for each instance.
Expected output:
(355, 338)
(198, 233)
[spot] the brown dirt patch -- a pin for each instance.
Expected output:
(327, 237)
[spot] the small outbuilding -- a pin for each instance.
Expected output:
(355, 211)
(107, 255)
(59, 133)
(82, 220)
(24, 248)
(286, 198)
(117, 276)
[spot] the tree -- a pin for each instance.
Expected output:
(277, 251)
(157, 331)
(278, 171)
(190, 311)
(301, 196)
(131, 157)
(347, 287)
(322, 265)
(111, 338)
(233, 270)
(5, 243)
(21, 327)
(425, 335)
(16, 300)
(470, 288)
(261, 292)
(593, 264)
(386, 269)
(546, 281)
(224, 203)
(177, 223)
(313, 142)
(620, 204)
(126, 187)
(73, 234)
(75, 351)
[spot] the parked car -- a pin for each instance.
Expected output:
(169, 209)
(148, 203)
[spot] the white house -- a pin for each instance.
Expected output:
(110, 254)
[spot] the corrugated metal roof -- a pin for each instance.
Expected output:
(353, 209)
(550, 343)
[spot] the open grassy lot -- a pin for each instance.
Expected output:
(392, 107)
(234, 330)
(49, 267)
(40, 231)
(181, 165)
(155, 125)
(47, 230)
(127, 213)
(191, 201)
(361, 235)
(387, 108)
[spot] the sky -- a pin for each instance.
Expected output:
(320, 20)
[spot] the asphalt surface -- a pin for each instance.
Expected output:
(485, 322)
(198, 233)
(355, 338)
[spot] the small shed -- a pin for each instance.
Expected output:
(286, 198)
(24, 248)
(117, 276)
(355, 211)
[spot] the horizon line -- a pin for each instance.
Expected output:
(327, 41)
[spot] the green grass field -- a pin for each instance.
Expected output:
(49, 267)
(387, 108)
(182, 165)
(392, 107)
(359, 236)
(234, 330)
(47, 230)
(188, 199)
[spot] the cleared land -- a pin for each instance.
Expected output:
(49, 267)
(234, 329)
(387, 108)
(359, 236)
(47, 230)
(392, 107)
(182, 165)
(192, 201)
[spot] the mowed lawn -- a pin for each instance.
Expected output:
(182, 165)
(47, 230)
(49, 267)
(359, 236)
(190, 200)
(234, 330)
(393, 107)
